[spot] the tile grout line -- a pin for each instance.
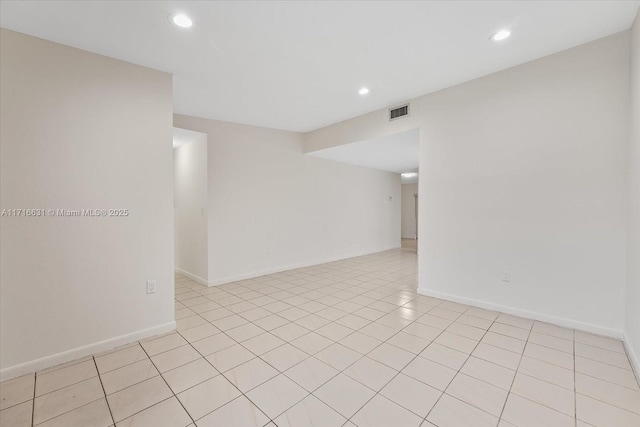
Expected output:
(607, 363)
(33, 404)
(613, 405)
(575, 392)
(385, 341)
(398, 372)
(461, 366)
(242, 394)
(333, 282)
(562, 367)
(309, 331)
(334, 342)
(556, 410)
(239, 343)
(103, 390)
(371, 321)
(168, 386)
(516, 374)
(51, 392)
(396, 375)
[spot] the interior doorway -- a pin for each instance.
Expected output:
(409, 206)
(190, 169)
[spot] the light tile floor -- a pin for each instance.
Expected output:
(347, 343)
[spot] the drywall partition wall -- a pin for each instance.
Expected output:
(81, 131)
(409, 210)
(369, 126)
(524, 171)
(190, 202)
(632, 322)
(272, 208)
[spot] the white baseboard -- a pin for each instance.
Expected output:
(633, 356)
(282, 268)
(86, 350)
(191, 276)
(560, 321)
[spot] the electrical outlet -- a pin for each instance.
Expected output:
(506, 276)
(151, 286)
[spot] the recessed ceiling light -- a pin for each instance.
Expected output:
(182, 21)
(500, 35)
(409, 174)
(363, 91)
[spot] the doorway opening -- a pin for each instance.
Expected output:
(190, 173)
(398, 153)
(409, 210)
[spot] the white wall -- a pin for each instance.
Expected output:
(523, 170)
(271, 207)
(78, 131)
(408, 210)
(190, 202)
(369, 126)
(633, 242)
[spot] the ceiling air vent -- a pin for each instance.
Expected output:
(398, 112)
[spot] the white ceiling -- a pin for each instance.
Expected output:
(298, 65)
(397, 153)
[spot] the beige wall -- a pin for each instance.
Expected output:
(272, 208)
(525, 171)
(633, 242)
(78, 131)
